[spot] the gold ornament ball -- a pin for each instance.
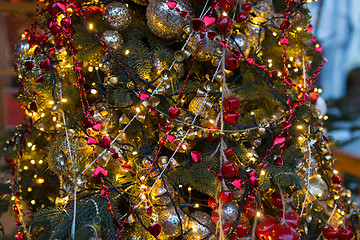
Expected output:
(317, 186)
(206, 110)
(204, 51)
(198, 231)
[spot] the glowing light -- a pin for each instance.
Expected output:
(42, 115)
(252, 113)
(51, 102)
(33, 147)
(32, 161)
(274, 34)
(189, 189)
(13, 198)
(42, 129)
(40, 180)
(29, 189)
(26, 167)
(91, 26)
(319, 90)
(196, 205)
(29, 144)
(184, 146)
(258, 214)
(291, 59)
(211, 121)
(41, 161)
(64, 100)
(326, 117)
(127, 51)
(301, 138)
(180, 186)
(138, 110)
(224, 14)
(93, 91)
(299, 28)
(143, 186)
(142, 178)
(335, 171)
(262, 172)
(32, 202)
(58, 125)
(279, 74)
(300, 127)
(134, 153)
(90, 68)
(296, 70)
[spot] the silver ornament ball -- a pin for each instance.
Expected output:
(113, 40)
(165, 22)
(230, 212)
(240, 42)
(199, 231)
(160, 193)
(206, 47)
(170, 222)
(117, 15)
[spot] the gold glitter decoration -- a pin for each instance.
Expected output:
(206, 48)
(117, 15)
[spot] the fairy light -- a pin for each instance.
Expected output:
(127, 51)
(184, 146)
(134, 153)
(279, 74)
(54, 119)
(252, 113)
(335, 171)
(26, 167)
(289, 65)
(296, 70)
(274, 34)
(196, 205)
(33, 147)
(143, 186)
(29, 189)
(64, 100)
(32, 161)
(32, 202)
(30, 114)
(180, 186)
(224, 14)
(258, 214)
(301, 138)
(262, 172)
(34, 114)
(300, 127)
(41, 161)
(189, 189)
(142, 178)
(58, 125)
(138, 110)
(326, 117)
(93, 91)
(29, 144)
(42, 129)
(51, 102)
(13, 198)
(42, 115)
(91, 26)
(211, 121)
(90, 68)
(299, 28)
(291, 59)
(40, 180)
(319, 90)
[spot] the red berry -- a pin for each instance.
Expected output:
(231, 104)
(230, 169)
(224, 23)
(331, 232)
(265, 225)
(292, 218)
(246, 7)
(213, 203)
(229, 152)
(231, 117)
(227, 196)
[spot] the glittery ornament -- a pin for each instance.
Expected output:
(255, 32)
(230, 212)
(206, 110)
(240, 42)
(160, 194)
(170, 222)
(198, 231)
(317, 185)
(203, 47)
(117, 15)
(113, 40)
(167, 22)
(20, 48)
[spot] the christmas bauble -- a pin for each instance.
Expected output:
(230, 212)
(230, 169)
(276, 200)
(106, 63)
(283, 232)
(203, 47)
(118, 15)
(292, 218)
(224, 23)
(226, 4)
(198, 231)
(264, 227)
(160, 194)
(213, 203)
(321, 106)
(255, 32)
(240, 42)
(20, 48)
(317, 185)
(166, 21)
(331, 232)
(227, 196)
(345, 233)
(170, 222)
(231, 117)
(113, 40)
(202, 107)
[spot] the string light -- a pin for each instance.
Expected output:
(93, 91)
(91, 26)
(63, 100)
(32, 161)
(127, 51)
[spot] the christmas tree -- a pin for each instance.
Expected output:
(173, 119)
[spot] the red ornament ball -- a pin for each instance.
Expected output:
(246, 7)
(276, 200)
(292, 218)
(215, 217)
(230, 169)
(283, 232)
(226, 4)
(229, 152)
(345, 233)
(231, 104)
(227, 196)
(242, 17)
(263, 228)
(213, 203)
(231, 117)
(224, 23)
(331, 232)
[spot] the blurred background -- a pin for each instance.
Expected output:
(336, 24)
